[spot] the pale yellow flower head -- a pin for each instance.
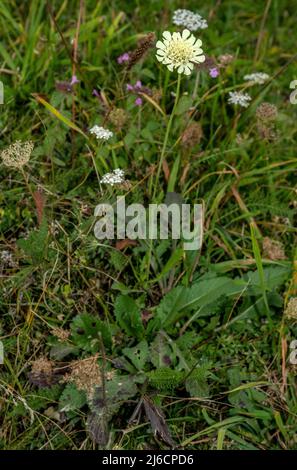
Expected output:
(180, 51)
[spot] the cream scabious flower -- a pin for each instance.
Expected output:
(180, 51)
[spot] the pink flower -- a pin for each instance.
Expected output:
(123, 58)
(74, 80)
(214, 72)
(138, 101)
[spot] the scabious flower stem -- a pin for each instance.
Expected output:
(195, 91)
(168, 128)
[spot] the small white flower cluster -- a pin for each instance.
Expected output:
(101, 133)
(257, 78)
(189, 19)
(242, 99)
(115, 177)
(7, 259)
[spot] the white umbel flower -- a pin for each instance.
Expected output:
(115, 177)
(180, 51)
(242, 99)
(101, 133)
(258, 78)
(189, 19)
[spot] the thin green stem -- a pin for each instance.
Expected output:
(168, 128)
(167, 135)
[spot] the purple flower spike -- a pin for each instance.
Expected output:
(138, 85)
(129, 87)
(138, 101)
(95, 93)
(214, 72)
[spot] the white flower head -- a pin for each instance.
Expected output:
(180, 51)
(242, 99)
(258, 78)
(189, 19)
(115, 177)
(101, 133)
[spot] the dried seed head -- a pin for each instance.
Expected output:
(118, 117)
(273, 249)
(192, 135)
(266, 132)
(291, 309)
(61, 334)
(17, 154)
(266, 112)
(225, 59)
(143, 46)
(42, 373)
(87, 375)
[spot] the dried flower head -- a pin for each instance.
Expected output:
(273, 249)
(42, 373)
(291, 309)
(257, 78)
(192, 135)
(189, 19)
(180, 51)
(225, 59)
(266, 112)
(238, 98)
(118, 117)
(144, 45)
(87, 375)
(61, 334)
(266, 132)
(101, 133)
(17, 154)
